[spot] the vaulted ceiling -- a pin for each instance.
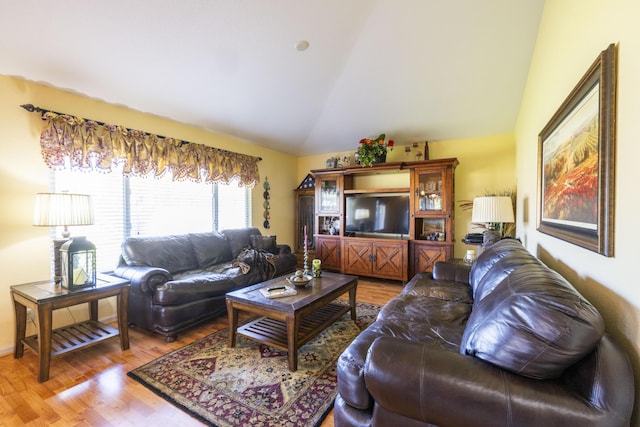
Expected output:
(414, 69)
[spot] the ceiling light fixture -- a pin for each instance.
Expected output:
(302, 45)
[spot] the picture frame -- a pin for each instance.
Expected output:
(576, 161)
(433, 229)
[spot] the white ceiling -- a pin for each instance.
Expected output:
(414, 69)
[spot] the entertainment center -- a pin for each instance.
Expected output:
(391, 220)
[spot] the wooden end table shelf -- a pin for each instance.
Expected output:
(290, 322)
(44, 297)
(74, 337)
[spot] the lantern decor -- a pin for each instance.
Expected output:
(62, 209)
(78, 262)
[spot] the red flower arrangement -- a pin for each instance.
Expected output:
(370, 151)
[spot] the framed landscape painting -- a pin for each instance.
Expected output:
(576, 157)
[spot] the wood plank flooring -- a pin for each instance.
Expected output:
(91, 388)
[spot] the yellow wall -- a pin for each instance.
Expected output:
(24, 249)
(487, 164)
(572, 34)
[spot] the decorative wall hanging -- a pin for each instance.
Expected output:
(576, 159)
(307, 183)
(84, 144)
(266, 204)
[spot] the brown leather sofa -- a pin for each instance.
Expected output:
(508, 342)
(178, 281)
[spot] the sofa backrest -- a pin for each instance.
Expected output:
(495, 264)
(210, 248)
(527, 319)
(239, 238)
(174, 253)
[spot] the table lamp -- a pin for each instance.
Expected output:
(64, 209)
(492, 210)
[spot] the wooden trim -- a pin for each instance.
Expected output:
(378, 190)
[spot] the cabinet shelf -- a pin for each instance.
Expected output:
(378, 190)
(389, 167)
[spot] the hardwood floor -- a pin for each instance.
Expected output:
(91, 388)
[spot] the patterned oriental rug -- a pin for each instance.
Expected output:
(251, 385)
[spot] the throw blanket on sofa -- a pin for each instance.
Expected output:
(263, 262)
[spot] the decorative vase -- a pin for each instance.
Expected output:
(382, 158)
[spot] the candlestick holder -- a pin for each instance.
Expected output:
(306, 260)
(306, 252)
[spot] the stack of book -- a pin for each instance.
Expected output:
(278, 291)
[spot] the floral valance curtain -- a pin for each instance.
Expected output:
(88, 145)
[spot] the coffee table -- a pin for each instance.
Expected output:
(288, 323)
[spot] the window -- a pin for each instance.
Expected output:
(133, 206)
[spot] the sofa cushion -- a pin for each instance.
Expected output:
(533, 323)
(194, 287)
(424, 285)
(239, 238)
(264, 243)
(210, 248)
(174, 253)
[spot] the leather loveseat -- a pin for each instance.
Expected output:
(178, 281)
(508, 342)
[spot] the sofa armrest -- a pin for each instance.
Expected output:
(452, 271)
(423, 382)
(144, 280)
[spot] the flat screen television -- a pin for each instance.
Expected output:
(383, 215)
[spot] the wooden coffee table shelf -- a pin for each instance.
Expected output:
(288, 323)
(274, 332)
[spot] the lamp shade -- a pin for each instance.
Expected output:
(492, 209)
(62, 209)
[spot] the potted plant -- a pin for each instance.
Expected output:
(372, 151)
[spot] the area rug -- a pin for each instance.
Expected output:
(251, 385)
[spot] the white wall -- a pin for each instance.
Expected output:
(572, 34)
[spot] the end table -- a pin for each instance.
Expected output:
(44, 297)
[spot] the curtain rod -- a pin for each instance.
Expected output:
(33, 109)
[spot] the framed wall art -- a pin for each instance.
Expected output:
(576, 162)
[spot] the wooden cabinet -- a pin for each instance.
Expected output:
(329, 196)
(424, 255)
(305, 196)
(432, 207)
(328, 251)
(375, 257)
(305, 203)
(394, 253)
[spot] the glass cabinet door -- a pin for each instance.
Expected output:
(305, 219)
(429, 192)
(329, 195)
